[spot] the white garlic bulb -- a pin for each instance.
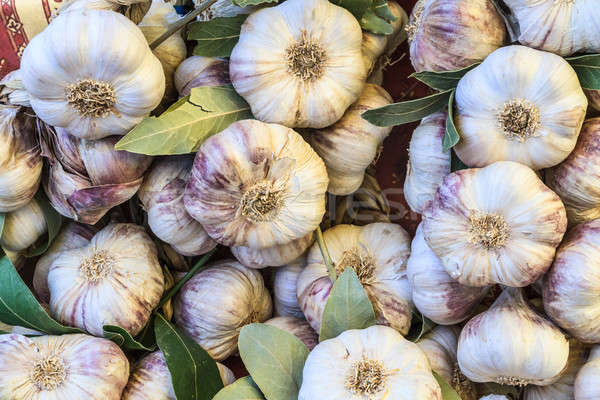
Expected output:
(512, 345)
(216, 303)
(299, 63)
(297, 327)
(98, 85)
(115, 280)
(498, 224)
(285, 301)
(256, 185)
(23, 227)
(273, 256)
(61, 367)
(575, 179)
(377, 253)
(376, 363)
(350, 145)
(586, 383)
(531, 112)
(572, 287)
(20, 158)
(373, 47)
(162, 197)
(446, 35)
(435, 294)
(198, 71)
(428, 163)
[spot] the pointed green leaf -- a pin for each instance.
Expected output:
(382, 10)
(373, 23)
(53, 222)
(194, 374)
(448, 393)
(274, 358)
(216, 37)
(182, 130)
(348, 307)
(356, 7)
(442, 80)
(407, 111)
(123, 338)
(588, 70)
(419, 326)
(242, 389)
(245, 3)
(456, 163)
(451, 137)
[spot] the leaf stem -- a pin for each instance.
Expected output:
(326, 256)
(176, 26)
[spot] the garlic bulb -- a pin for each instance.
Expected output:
(563, 27)
(98, 85)
(222, 8)
(162, 197)
(86, 178)
(572, 287)
(297, 327)
(428, 163)
(446, 35)
(498, 224)
(256, 185)
(198, 71)
(115, 280)
(216, 303)
(375, 363)
(576, 189)
(516, 115)
(12, 91)
(512, 345)
(373, 47)
(352, 143)
(440, 347)
(435, 294)
(61, 367)
(377, 253)
(23, 227)
(285, 300)
(299, 63)
(274, 256)
(151, 380)
(20, 160)
(586, 383)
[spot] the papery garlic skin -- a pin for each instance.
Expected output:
(216, 303)
(435, 293)
(375, 363)
(498, 224)
(20, 159)
(162, 197)
(350, 145)
(378, 253)
(512, 345)
(274, 256)
(285, 301)
(61, 367)
(531, 112)
(563, 27)
(96, 86)
(198, 71)
(115, 280)
(586, 383)
(269, 69)
(256, 185)
(428, 163)
(297, 327)
(446, 35)
(572, 287)
(575, 179)
(12, 91)
(23, 227)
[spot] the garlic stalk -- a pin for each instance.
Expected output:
(586, 382)
(198, 71)
(297, 327)
(23, 227)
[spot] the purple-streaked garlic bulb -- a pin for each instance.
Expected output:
(297, 327)
(23, 227)
(273, 256)
(586, 382)
(285, 301)
(199, 71)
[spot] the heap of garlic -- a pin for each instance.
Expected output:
(586, 382)
(23, 227)
(198, 71)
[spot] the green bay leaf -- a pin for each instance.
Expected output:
(274, 358)
(242, 389)
(451, 137)
(456, 163)
(448, 393)
(208, 111)
(442, 80)
(123, 338)
(373, 23)
(53, 222)
(356, 7)
(382, 9)
(587, 68)
(347, 307)
(216, 37)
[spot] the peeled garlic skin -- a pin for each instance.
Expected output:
(586, 383)
(520, 251)
(23, 227)
(96, 368)
(575, 179)
(273, 256)
(216, 303)
(285, 301)
(198, 71)
(115, 280)
(297, 327)
(313, 97)
(350, 145)
(446, 35)
(511, 344)
(256, 185)
(331, 364)
(544, 81)
(428, 164)
(435, 294)
(383, 249)
(572, 287)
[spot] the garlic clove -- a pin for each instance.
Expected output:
(285, 300)
(586, 382)
(198, 71)
(23, 227)
(274, 256)
(297, 327)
